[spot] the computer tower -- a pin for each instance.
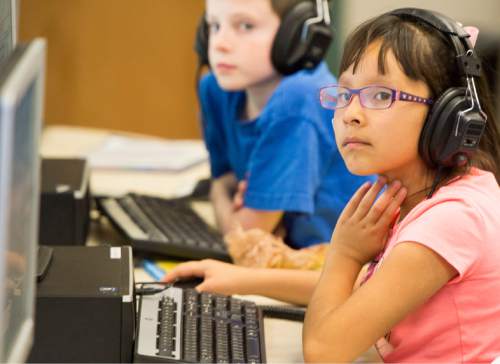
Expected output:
(65, 201)
(85, 306)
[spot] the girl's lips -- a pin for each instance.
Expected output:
(354, 142)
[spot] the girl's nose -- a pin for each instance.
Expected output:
(354, 112)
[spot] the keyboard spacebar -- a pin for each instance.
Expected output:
(122, 219)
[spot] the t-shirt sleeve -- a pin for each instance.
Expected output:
(453, 229)
(284, 167)
(213, 132)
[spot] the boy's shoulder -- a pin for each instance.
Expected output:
(208, 83)
(298, 94)
(212, 96)
(308, 80)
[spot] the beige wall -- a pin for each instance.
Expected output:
(483, 13)
(120, 64)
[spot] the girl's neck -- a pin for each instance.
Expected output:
(417, 187)
(257, 97)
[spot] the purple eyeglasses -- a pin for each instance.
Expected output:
(371, 97)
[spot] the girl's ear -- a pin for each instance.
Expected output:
(473, 32)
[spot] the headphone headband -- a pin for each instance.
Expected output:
(469, 63)
(323, 16)
(456, 122)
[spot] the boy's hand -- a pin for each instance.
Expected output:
(239, 196)
(229, 181)
(362, 228)
(219, 277)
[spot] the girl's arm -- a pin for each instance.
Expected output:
(229, 213)
(294, 286)
(340, 325)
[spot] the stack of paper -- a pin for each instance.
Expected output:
(119, 152)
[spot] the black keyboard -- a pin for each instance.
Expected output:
(182, 325)
(169, 227)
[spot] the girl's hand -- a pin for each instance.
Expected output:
(219, 277)
(362, 228)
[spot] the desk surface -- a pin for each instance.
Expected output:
(283, 338)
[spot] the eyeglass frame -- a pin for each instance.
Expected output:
(396, 95)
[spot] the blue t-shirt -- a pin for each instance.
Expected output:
(288, 154)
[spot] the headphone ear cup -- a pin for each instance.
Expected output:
(201, 41)
(289, 52)
(437, 134)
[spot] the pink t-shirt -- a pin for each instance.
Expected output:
(461, 322)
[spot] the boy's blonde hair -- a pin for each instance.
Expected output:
(281, 7)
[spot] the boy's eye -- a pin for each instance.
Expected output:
(213, 27)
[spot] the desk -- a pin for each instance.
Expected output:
(283, 338)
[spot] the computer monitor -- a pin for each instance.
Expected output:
(21, 90)
(8, 27)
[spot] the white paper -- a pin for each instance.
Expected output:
(119, 152)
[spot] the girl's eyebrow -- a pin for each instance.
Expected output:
(381, 80)
(343, 80)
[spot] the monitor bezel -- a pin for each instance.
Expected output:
(14, 20)
(25, 66)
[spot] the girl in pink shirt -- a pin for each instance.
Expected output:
(429, 228)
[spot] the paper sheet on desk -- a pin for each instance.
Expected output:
(119, 152)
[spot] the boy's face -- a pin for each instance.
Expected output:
(241, 34)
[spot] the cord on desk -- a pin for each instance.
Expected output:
(284, 312)
(156, 287)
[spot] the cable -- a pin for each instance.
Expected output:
(157, 287)
(284, 312)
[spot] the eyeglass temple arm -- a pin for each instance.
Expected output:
(404, 96)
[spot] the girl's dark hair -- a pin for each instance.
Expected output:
(427, 55)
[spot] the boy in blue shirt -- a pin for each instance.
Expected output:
(273, 158)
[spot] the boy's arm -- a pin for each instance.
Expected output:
(227, 217)
(341, 324)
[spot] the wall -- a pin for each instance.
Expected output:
(119, 64)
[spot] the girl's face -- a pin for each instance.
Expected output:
(381, 141)
(241, 34)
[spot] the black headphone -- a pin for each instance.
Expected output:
(456, 122)
(301, 41)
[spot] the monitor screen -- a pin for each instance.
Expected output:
(21, 88)
(8, 31)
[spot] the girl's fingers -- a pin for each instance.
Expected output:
(353, 203)
(367, 201)
(388, 215)
(185, 270)
(379, 207)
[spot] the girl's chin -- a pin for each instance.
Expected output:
(362, 170)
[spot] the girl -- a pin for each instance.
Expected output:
(272, 157)
(432, 235)
(430, 291)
